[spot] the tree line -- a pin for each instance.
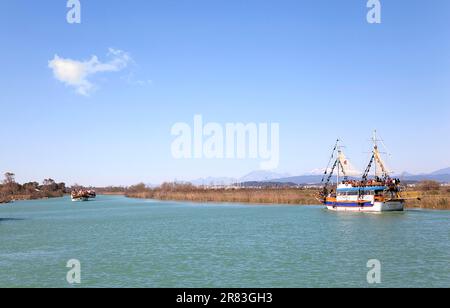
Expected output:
(10, 190)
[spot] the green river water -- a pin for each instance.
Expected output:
(124, 242)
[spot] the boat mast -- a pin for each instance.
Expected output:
(375, 146)
(337, 175)
(338, 166)
(379, 163)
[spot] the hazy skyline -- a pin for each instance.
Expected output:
(94, 103)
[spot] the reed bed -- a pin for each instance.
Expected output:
(436, 199)
(257, 196)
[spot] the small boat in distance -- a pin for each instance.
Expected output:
(381, 193)
(83, 195)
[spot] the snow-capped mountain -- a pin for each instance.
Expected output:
(261, 176)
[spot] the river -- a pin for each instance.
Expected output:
(124, 242)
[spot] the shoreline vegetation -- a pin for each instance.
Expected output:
(191, 193)
(11, 191)
(433, 194)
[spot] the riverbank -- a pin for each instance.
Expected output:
(4, 201)
(20, 197)
(433, 199)
(10, 190)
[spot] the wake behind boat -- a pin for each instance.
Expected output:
(381, 193)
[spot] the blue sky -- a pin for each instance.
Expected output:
(316, 67)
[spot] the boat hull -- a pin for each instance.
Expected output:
(376, 207)
(84, 199)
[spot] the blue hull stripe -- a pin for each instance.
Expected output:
(348, 204)
(368, 188)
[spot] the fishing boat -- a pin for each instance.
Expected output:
(380, 193)
(91, 194)
(82, 195)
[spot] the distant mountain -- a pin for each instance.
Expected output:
(267, 184)
(445, 171)
(301, 180)
(442, 176)
(262, 176)
(255, 176)
(214, 181)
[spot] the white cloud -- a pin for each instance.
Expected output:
(76, 73)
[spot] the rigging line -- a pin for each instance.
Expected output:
(366, 173)
(331, 159)
(331, 173)
(388, 153)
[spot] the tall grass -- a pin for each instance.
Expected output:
(438, 199)
(244, 195)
